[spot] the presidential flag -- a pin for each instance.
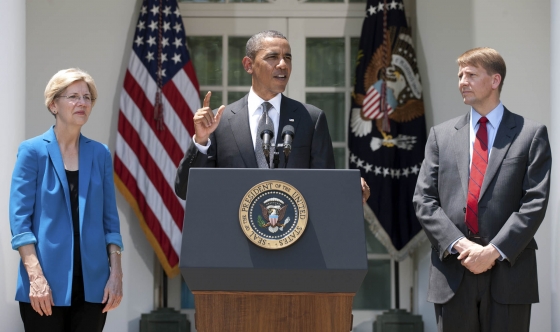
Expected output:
(155, 126)
(387, 129)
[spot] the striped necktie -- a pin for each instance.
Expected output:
(478, 169)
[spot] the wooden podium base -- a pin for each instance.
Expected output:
(272, 311)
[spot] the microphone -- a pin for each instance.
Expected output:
(287, 136)
(267, 134)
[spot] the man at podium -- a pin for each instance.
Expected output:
(233, 136)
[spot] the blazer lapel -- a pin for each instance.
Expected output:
(502, 142)
(288, 116)
(84, 166)
(239, 124)
(56, 158)
(462, 150)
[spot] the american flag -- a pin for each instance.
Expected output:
(158, 100)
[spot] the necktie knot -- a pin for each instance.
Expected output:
(266, 106)
(483, 120)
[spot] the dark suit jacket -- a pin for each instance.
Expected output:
(232, 145)
(512, 204)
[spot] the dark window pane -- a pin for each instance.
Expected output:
(324, 62)
(206, 54)
(237, 76)
(333, 106)
(340, 158)
(236, 95)
(375, 292)
(372, 243)
(215, 100)
(354, 48)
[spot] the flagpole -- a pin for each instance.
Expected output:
(397, 294)
(164, 289)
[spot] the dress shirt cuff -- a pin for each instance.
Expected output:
(202, 148)
(452, 250)
(502, 255)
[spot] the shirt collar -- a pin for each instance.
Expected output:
(254, 102)
(494, 117)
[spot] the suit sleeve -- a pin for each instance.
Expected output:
(22, 196)
(322, 155)
(438, 227)
(522, 225)
(193, 158)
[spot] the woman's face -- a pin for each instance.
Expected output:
(73, 106)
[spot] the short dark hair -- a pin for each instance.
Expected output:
(254, 43)
(487, 58)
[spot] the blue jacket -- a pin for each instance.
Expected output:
(40, 213)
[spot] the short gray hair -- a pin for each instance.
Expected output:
(254, 43)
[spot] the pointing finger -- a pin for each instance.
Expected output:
(206, 102)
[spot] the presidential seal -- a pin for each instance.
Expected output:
(273, 214)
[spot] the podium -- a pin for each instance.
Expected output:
(306, 286)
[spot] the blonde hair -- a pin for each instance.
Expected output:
(487, 58)
(64, 78)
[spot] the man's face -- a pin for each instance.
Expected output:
(478, 87)
(271, 68)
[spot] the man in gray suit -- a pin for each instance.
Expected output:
(229, 138)
(481, 195)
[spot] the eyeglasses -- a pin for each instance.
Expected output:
(76, 98)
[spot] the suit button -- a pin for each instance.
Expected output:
(464, 210)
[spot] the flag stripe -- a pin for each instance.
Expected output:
(166, 193)
(146, 109)
(150, 219)
(151, 199)
(156, 149)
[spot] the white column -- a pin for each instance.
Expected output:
(12, 93)
(554, 204)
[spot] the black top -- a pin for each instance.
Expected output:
(72, 177)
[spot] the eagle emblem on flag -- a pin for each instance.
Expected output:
(393, 92)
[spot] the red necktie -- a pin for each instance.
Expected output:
(478, 168)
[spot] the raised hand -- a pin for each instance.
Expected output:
(205, 122)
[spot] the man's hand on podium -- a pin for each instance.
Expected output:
(365, 191)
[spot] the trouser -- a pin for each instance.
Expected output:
(472, 309)
(81, 316)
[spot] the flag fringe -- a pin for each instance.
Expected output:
(380, 233)
(171, 271)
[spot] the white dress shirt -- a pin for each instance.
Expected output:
(254, 105)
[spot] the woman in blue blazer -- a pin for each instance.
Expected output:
(63, 217)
